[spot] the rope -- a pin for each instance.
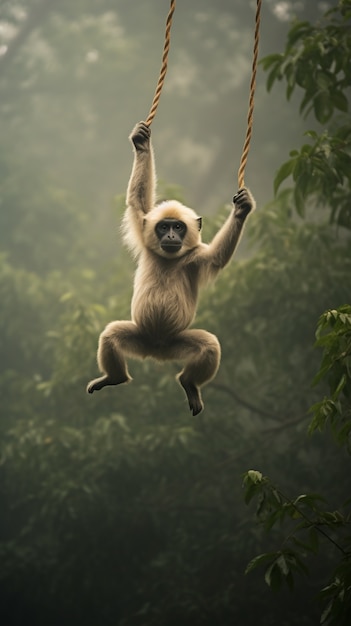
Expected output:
(246, 147)
(163, 73)
(163, 70)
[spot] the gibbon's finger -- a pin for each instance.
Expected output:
(238, 193)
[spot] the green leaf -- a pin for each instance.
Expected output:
(250, 492)
(298, 31)
(322, 105)
(272, 77)
(274, 517)
(326, 612)
(344, 432)
(340, 386)
(340, 101)
(284, 172)
(274, 62)
(271, 59)
(309, 499)
(324, 80)
(302, 544)
(260, 560)
(305, 101)
(312, 134)
(282, 564)
(273, 577)
(299, 565)
(299, 201)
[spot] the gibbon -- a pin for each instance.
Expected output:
(172, 264)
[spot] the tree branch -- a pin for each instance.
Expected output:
(248, 405)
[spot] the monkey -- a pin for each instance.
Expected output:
(172, 264)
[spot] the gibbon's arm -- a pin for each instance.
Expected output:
(141, 190)
(224, 243)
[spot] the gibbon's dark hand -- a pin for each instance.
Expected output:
(141, 136)
(243, 203)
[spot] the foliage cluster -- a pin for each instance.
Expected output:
(316, 61)
(321, 175)
(307, 515)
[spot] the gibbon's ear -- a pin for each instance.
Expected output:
(199, 222)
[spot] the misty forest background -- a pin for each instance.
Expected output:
(120, 508)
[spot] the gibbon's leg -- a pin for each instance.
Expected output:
(202, 352)
(118, 339)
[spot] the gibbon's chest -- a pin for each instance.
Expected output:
(165, 295)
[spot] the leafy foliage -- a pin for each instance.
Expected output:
(311, 529)
(317, 61)
(334, 335)
(322, 170)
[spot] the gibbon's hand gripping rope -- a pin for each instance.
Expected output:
(163, 71)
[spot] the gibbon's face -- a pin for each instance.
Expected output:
(170, 233)
(171, 229)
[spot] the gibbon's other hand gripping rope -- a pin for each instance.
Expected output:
(246, 147)
(163, 70)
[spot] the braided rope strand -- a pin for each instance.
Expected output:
(246, 147)
(163, 70)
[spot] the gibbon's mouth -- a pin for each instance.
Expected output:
(171, 247)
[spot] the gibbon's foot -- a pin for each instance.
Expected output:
(193, 395)
(104, 381)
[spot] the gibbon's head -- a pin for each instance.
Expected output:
(171, 229)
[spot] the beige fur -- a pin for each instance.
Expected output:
(166, 284)
(177, 211)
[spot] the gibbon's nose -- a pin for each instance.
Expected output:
(171, 234)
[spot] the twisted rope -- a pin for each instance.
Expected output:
(246, 147)
(163, 70)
